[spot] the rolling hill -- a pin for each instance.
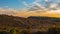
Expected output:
(32, 21)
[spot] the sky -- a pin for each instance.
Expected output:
(19, 4)
(27, 8)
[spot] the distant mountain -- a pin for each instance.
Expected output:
(54, 19)
(33, 21)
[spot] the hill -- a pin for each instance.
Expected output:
(32, 21)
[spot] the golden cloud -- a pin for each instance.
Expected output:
(26, 13)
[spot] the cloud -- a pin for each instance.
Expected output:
(8, 11)
(53, 5)
(46, 0)
(35, 3)
(54, 12)
(25, 4)
(26, 13)
(50, 13)
(31, 4)
(38, 7)
(1, 9)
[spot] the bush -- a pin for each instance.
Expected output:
(52, 31)
(13, 31)
(25, 32)
(3, 32)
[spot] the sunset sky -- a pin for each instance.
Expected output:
(26, 8)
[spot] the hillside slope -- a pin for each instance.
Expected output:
(33, 21)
